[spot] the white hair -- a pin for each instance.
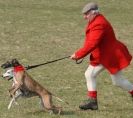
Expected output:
(95, 11)
(92, 15)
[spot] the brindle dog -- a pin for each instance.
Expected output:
(24, 82)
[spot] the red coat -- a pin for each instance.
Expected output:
(105, 49)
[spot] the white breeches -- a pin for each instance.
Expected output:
(117, 79)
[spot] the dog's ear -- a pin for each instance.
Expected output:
(6, 65)
(15, 62)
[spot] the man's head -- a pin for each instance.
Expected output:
(89, 7)
(90, 10)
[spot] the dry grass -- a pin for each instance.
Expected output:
(36, 31)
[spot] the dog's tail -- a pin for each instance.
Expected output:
(60, 99)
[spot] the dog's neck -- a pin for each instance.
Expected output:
(19, 68)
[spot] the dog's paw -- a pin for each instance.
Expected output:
(11, 94)
(9, 90)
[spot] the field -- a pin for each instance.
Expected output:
(37, 31)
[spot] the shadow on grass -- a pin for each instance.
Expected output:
(68, 113)
(72, 112)
(43, 112)
(118, 109)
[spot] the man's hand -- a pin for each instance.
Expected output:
(73, 57)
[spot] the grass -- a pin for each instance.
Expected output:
(35, 31)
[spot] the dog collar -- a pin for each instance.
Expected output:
(18, 68)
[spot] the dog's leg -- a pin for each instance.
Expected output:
(47, 102)
(57, 110)
(11, 89)
(17, 81)
(10, 104)
(17, 95)
(17, 86)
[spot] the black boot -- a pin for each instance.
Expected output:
(91, 103)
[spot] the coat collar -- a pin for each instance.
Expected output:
(89, 24)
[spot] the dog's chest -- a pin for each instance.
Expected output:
(14, 80)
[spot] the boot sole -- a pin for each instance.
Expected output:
(88, 108)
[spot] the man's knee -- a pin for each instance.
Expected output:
(115, 83)
(118, 81)
(89, 74)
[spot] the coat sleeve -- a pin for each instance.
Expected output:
(92, 40)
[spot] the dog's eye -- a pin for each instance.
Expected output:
(9, 72)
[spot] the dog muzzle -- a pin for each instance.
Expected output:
(8, 74)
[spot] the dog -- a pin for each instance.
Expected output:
(8, 75)
(24, 86)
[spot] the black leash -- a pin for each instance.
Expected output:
(34, 66)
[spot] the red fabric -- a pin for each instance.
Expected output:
(105, 49)
(19, 68)
(131, 92)
(92, 94)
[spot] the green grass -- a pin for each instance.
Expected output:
(35, 31)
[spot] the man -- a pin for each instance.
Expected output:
(106, 52)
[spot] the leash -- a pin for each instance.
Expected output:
(48, 62)
(34, 66)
